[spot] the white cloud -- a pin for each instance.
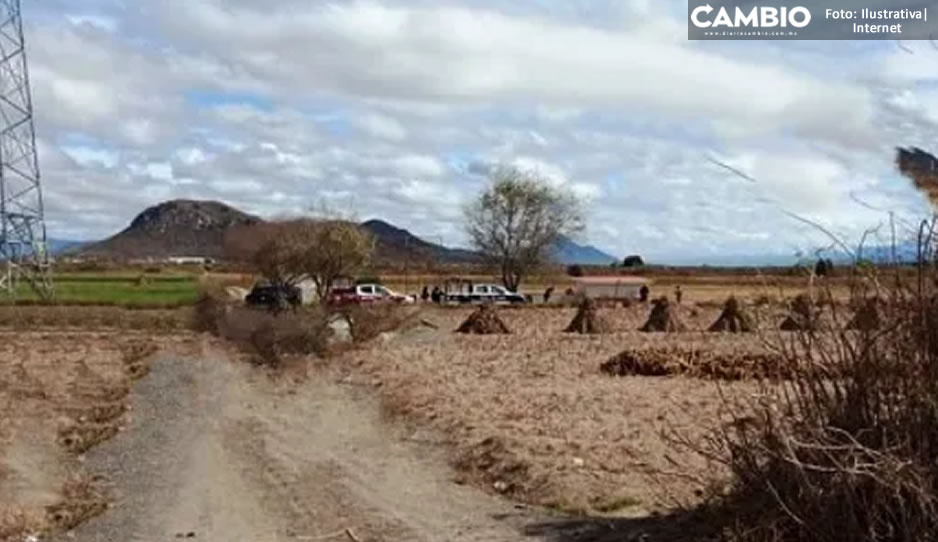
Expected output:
(109, 24)
(85, 156)
(382, 126)
(393, 109)
(417, 166)
(801, 182)
(471, 56)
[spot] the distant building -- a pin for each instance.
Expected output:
(610, 287)
(190, 260)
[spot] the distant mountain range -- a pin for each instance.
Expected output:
(198, 228)
(567, 251)
(63, 246)
(394, 243)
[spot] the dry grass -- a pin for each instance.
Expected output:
(78, 317)
(726, 363)
(61, 393)
(531, 415)
(844, 451)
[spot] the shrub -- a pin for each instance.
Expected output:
(845, 451)
(366, 322)
(268, 337)
(207, 313)
(575, 270)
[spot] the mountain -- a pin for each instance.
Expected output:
(58, 247)
(568, 252)
(904, 252)
(198, 228)
(395, 244)
(174, 228)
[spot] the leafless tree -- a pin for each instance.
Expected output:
(286, 252)
(517, 220)
(267, 247)
(334, 249)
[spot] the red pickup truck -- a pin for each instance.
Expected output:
(367, 293)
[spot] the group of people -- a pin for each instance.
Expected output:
(436, 295)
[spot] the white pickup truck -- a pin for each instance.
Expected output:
(468, 292)
(367, 293)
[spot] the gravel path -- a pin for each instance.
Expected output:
(216, 451)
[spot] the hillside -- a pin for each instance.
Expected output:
(567, 251)
(394, 244)
(174, 228)
(198, 228)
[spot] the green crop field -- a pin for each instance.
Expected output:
(114, 289)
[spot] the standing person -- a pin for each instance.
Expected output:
(547, 293)
(425, 294)
(643, 293)
(678, 294)
(437, 294)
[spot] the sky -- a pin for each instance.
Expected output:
(397, 109)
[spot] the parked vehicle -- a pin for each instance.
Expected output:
(465, 291)
(274, 297)
(367, 293)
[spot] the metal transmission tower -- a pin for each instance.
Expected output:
(23, 248)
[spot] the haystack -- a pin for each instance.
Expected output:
(484, 321)
(802, 316)
(588, 319)
(732, 319)
(867, 317)
(663, 317)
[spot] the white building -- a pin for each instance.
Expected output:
(190, 260)
(610, 287)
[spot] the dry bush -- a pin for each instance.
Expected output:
(207, 312)
(367, 322)
(268, 337)
(698, 363)
(844, 452)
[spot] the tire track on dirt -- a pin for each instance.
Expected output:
(217, 450)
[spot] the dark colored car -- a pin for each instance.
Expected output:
(274, 297)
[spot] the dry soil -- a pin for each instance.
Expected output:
(218, 451)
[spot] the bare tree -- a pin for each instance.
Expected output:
(336, 248)
(286, 252)
(272, 249)
(516, 221)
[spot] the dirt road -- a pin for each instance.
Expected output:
(216, 451)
